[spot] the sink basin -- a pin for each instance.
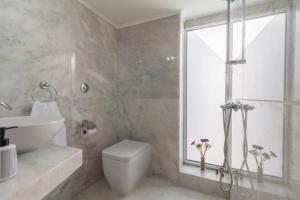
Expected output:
(33, 132)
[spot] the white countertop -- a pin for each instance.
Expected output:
(40, 172)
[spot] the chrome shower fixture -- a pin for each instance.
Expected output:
(237, 106)
(229, 60)
(227, 118)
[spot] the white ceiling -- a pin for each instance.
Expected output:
(123, 13)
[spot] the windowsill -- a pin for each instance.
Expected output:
(268, 187)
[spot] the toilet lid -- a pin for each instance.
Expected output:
(125, 150)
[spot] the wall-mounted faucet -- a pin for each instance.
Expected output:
(6, 105)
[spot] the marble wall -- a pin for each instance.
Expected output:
(294, 157)
(35, 46)
(149, 84)
(64, 43)
(94, 61)
(133, 73)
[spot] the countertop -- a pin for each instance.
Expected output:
(41, 171)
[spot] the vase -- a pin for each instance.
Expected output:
(260, 174)
(202, 163)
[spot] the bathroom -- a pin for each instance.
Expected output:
(84, 79)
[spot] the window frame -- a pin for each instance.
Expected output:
(285, 121)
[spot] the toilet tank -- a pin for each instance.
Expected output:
(125, 164)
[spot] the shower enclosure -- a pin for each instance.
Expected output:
(269, 80)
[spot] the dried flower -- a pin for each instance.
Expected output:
(267, 156)
(260, 156)
(207, 146)
(273, 154)
(254, 153)
(257, 147)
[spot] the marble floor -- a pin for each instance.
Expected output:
(149, 189)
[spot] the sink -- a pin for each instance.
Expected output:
(32, 132)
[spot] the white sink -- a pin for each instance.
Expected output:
(32, 132)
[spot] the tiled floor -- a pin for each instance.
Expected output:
(149, 189)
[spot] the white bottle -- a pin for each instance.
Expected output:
(8, 157)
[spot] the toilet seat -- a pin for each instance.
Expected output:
(124, 151)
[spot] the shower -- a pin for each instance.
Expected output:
(245, 63)
(228, 109)
(231, 106)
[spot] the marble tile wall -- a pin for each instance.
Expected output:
(64, 43)
(35, 46)
(133, 73)
(148, 83)
(294, 157)
(94, 49)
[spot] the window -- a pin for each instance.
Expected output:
(260, 82)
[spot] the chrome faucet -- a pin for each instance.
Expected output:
(5, 105)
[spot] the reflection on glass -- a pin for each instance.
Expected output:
(265, 128)
(262, 77)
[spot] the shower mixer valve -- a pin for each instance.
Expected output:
(237, 106)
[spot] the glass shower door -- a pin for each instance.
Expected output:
(270, 82)
(260, 83)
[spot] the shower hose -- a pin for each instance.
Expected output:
(244, 112)
(226, 125)
(227, 115)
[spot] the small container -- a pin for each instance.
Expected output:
(8, 157)
(260, 174)
(202, 164)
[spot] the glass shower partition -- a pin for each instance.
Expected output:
(270, 81)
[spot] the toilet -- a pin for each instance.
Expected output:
(125, 164)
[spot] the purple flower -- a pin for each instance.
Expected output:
(204, 140)
(193, 142)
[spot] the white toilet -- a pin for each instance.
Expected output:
(125, 164)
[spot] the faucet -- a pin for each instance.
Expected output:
(5, 105)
